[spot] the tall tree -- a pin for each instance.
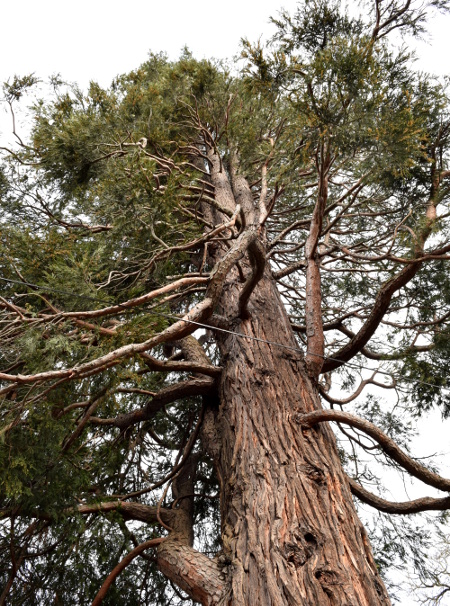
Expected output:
(195, 266)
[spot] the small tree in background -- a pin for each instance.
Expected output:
(192, 261)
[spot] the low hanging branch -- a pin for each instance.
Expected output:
(126, 561)
(388, 445)
(406, 507)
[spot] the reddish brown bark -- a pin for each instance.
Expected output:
(126, 561)
(290, 532)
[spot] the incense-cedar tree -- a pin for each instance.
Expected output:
(197, 267)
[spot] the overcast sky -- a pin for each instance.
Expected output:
(98, 39)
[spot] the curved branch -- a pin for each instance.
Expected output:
(122, 565)
(358, 391)
(258, 263)
(380, 307)
(388, 445)
(183, 389)
(231, 257)
(406, 507)
(384, 296)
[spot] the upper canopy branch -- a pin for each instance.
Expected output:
(377, 313)
(363, 384)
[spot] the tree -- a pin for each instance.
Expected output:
(191, 261)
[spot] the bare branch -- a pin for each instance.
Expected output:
(387, 444)
(122, 565)
(402, 508)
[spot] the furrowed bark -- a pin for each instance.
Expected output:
(289, 529)
(290, 532)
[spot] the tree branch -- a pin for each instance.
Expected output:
(122, 565)
(388, 445)
(258, 263)
(406, 507)
(192, 387)
(178, 330)
(380, 307)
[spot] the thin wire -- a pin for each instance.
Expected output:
(230, 332)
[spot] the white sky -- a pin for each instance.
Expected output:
(98, 39)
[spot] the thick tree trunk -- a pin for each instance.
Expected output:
(289, 528)
(290, 532)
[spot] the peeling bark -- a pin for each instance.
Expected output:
(289, 529)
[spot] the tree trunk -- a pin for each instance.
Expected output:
(290, 532)
(289, 528)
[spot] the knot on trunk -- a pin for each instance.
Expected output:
(328, 579)
(315, 474)
(298, 552)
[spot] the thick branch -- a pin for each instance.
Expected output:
(406, 507)
(192, 571)
(182, 366)
(388, 445)
(258, 263)
(233, 255)
(313, 304)
(129, 511)
(223, 194)
(289, 269)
